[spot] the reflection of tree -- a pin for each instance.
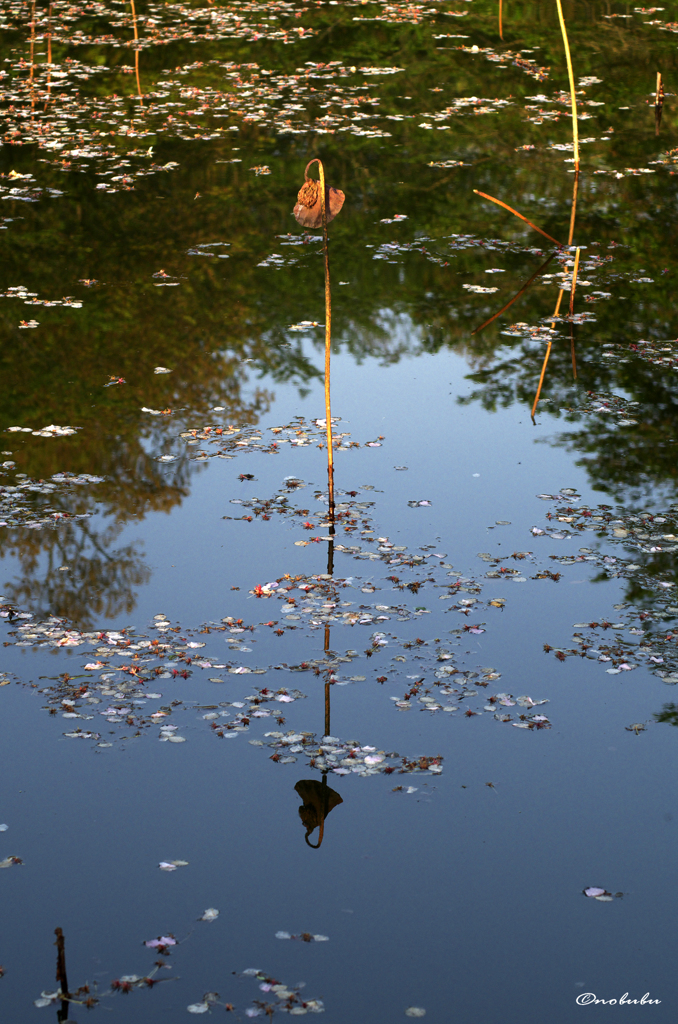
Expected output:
(668, 714)
(629, 464)
(225, 319)
(98, 580)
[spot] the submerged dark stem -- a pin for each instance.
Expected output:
(61, 977)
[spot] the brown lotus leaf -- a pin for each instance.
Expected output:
(308, 210)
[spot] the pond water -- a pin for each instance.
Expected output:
(372, 852)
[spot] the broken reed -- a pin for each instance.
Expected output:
(575, 130)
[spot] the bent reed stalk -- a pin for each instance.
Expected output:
(519, 215)
(575, 129)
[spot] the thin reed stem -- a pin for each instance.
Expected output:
(541, 378)
(136, 52)
(516, 214)
(501, 28)
(32, 39)
(574, 280)
(575, 128)
(572, 290)
(658, 103)
(546, 357)
(573, 214)
(328, 348)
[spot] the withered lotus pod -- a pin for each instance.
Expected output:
(308, 210)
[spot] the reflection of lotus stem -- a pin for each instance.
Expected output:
(49, 55)
(546, 357)
(574, 280)
(658, 103)
(61, 973)
(574, 285)
(501, 30)
(516, 296)
(573, 216)
(543, 370)
(575, 130)
(328, 344)
(516, 214)
(32, 36)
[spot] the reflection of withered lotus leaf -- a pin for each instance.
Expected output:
(308, 210)
(319, 800)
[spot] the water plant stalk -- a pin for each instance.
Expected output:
(501, 28)
(328, 349)
(136, 51)
(519, 215)
(575, 129)
(317, 204)
(658, 103)
(32, 39)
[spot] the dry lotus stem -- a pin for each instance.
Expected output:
(308, 210)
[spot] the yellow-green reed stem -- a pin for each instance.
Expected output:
(136, 51)
(575, 130)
